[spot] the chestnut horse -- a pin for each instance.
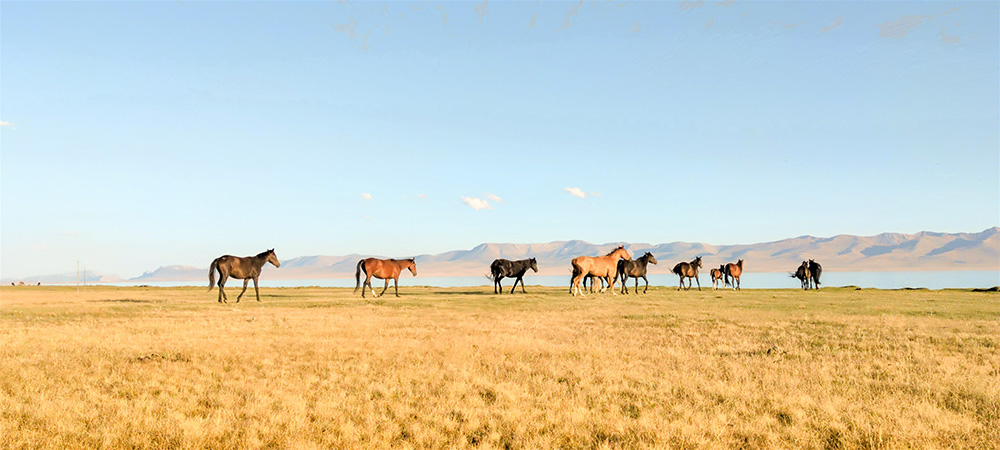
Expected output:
(382, 269)
(244, 268)
(635, 269)
(717, 276)
(689, 270)
(605, 267)
(733, 271)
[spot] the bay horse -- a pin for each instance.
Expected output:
(512, 269)
(384, 269)
(689, 270)
(815, 270)
(244, 268)
(733, 271)
(635, 269)
(717, 276)
(803, 274)
(600, 266)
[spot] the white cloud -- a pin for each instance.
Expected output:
(421, 196)
(7, 124)
(366, 196)
(576, 192)
(493, 198)
(476, 203)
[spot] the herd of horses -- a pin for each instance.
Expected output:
(616, 266)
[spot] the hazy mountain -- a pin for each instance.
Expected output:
(883, 252)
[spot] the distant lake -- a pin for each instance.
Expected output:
(879, 280)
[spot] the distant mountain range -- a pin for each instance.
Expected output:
(883, 252)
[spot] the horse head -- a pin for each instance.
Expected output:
(649, 257)
(412, 266)
(533, 265)
(621, 253)
(272, 258)
(696, 262)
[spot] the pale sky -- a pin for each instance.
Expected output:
(135, 135)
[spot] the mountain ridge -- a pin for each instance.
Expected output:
(924, 250)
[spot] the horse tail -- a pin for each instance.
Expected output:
(211, 273)
(357, 276)
(677, 269)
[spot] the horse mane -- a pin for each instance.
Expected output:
(263, 254)
(612, 252)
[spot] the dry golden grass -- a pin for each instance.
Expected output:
(460, 368)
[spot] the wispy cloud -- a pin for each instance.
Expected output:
(493, 197)
(366, 196)
(573, 11)
(950, 40)
(482, 9)
(836, 23)
(7, 124)
(576, 192)
(421, 195)
(899, 28)
(476, 203)
(533, 22)
(686, 4)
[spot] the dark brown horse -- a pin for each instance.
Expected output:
(815, 270)
(512, 269)
(383, 269)
(803, 274)
(635, 269)
(244, 268)
(601, 266)
(717, 276)
(689, 270)
(733, 272)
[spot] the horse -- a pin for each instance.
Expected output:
(803, 274)
(635, 269)
(733, 271)
(601, 266)
(816, 270)
(243, 268)
(689, 270)
(511, 269)
(717, 276)
(382, 269)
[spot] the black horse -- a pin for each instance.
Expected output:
(635, 269)
(816, 270)
(512, 269)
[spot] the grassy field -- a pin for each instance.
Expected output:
(462, 368)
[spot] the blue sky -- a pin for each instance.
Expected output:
(136, 135)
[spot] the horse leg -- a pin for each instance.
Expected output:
(395, 285)
(368, 283)
(222, 288)
(625, 285)
(245, 282)
(497, 289)
(637, 285)
(699, 281)
(255, 290)
(682, 282)
(386, 287)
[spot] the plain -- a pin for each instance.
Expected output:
(318, 368)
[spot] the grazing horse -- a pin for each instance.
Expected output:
(689, 270)
(635, 269)
(382, 269)
(605, 267)
(511, 269)
(245, 268)
(816, 270)
(803, 274)
(733, 271)
(717, 276)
